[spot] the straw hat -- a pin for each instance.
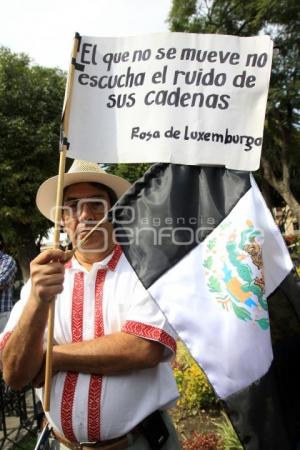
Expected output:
(80, 172)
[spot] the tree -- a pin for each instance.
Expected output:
(131, 172)
(280, 19)
(31, 100)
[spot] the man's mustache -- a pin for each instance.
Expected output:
(85, 229)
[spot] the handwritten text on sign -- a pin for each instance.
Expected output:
(172, 97)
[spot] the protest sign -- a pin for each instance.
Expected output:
(170, 97)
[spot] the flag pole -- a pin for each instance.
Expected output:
(58, 211)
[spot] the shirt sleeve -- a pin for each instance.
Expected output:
(8, 270)
(145, 319)
(14, 317)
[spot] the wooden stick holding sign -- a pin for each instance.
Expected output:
(58, 211)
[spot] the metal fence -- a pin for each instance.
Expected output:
(20, 413)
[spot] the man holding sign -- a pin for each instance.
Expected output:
(111, 372)
(193, 103)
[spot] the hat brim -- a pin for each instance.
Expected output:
(46, 194)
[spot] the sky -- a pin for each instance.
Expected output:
(44, 29)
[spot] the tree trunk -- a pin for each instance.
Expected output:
(282, 186)
(266, 192)
(294, 205)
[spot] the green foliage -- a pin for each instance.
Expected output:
(181, 15)
(130, 172)
(227, 435)
(31, 100)
(293, 244)
(195, 391)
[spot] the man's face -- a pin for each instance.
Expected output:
(84, 205)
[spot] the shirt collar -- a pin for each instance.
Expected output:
(110, 262)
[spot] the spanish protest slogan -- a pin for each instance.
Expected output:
(170, 97)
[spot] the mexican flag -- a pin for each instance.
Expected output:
(204, 244)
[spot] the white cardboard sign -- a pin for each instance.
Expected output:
(170, 97)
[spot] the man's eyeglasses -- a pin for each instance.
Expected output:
(74, 207)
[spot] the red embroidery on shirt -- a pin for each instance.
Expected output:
(150, 332)
(95, 387)
(115, 258)
(94, 405)
(71, 377)
(4, 339)
(98, 321)
(67, 405)
(77, 307)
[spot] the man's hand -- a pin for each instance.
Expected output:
(47, 275)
